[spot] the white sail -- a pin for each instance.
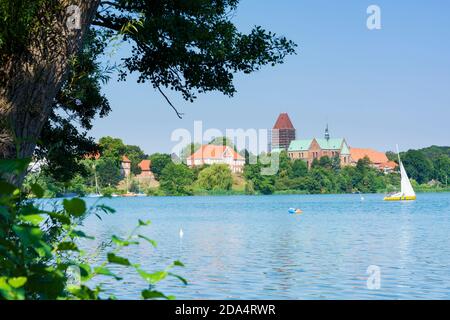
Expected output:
(407, 189)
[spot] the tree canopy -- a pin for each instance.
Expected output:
(187, 46)
(215, 177)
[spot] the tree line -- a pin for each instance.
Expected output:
(427, 168)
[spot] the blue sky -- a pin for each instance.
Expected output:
(375, 88)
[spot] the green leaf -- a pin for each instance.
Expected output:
(178, 277)
(34, 219)
(17, 282)
(14, 165)
(6, 188)
(153, 278)
(4, 212)
(59, 217)
(75, 207)
(178, 264)
(113, 258)
(81, 234)
(106, 272)
(30, 236)
(152, 242)
(150, 294)
(37, 190)
(105, 209)
(121, 242)
(85, 271)
(67, 246)
(144, 223)
(44, 250)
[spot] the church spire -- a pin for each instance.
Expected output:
(327, 133)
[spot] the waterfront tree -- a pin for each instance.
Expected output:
(159, 162)
(176, 180)
(299, 169)
(190, 47)
(418, 166)
(215, 177)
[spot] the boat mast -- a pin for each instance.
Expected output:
(398, 154)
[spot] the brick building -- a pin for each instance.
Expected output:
(283, 132)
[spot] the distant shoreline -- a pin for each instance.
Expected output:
(234, 193)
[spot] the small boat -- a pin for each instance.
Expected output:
(94, 195)
(295, 211)
(407, 192)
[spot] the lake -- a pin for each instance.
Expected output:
(249, 247)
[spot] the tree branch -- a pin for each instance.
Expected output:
(179, 114)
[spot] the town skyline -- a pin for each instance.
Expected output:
(378, 88)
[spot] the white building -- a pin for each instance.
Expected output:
(212, 154)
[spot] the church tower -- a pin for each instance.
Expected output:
(283, 132)
(327, 133)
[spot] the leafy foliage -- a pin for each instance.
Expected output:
(177, 179)
(159, 163)
(17, 21)
(215, 177)
(64, 140)
(38, 250)
(187, 46)
(188, 151)
(190, 46)
(418, 166)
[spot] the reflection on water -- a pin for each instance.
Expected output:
(251, 248)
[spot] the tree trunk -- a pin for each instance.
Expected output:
(30, 80)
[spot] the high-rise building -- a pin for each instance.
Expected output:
(283, 132)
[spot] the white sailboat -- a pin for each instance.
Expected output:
(407, 192)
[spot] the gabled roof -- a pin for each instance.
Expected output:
(145, 165)
(300, 145)
(375, 157)
(330, 144)
(345, 149)
(210, 151)
(125, 159)
(283, 122)
(324, 144)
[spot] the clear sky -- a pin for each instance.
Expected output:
(375, 88)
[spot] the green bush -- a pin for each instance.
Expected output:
(176, 180)
(215, 177)
(38, 248)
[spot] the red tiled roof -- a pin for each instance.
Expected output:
(283, 122)
(210, 151)
(94, 155)
(389, 165)
(125, 159)
(375, 157)
(145, 165)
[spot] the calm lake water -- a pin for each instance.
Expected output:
(245, 247)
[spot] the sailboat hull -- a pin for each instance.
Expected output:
(400, 198)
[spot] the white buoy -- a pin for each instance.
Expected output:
(181, 233)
